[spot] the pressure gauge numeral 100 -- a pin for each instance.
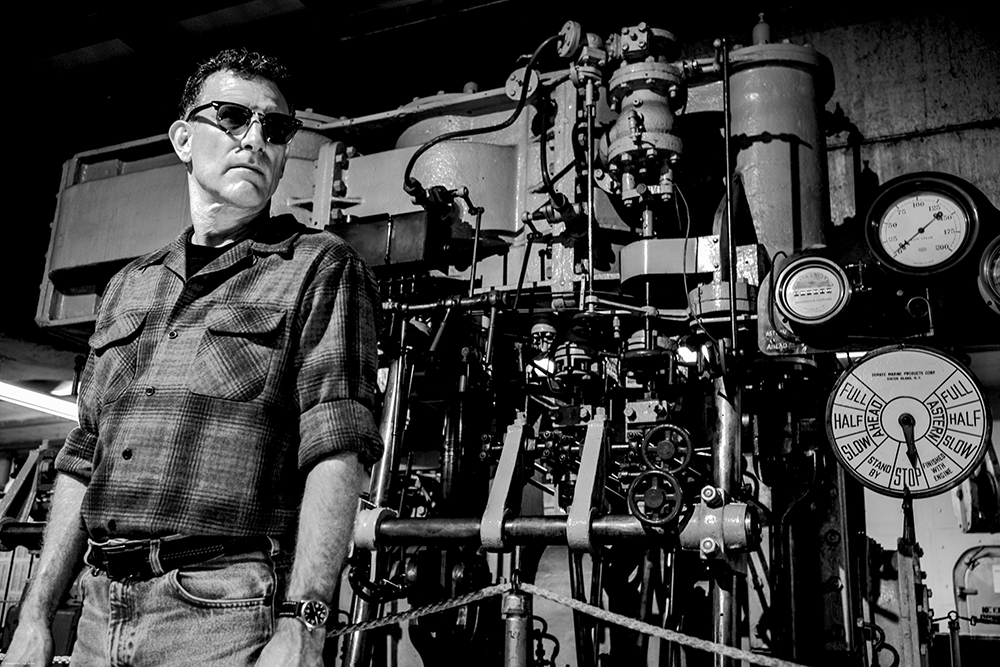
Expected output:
(922, 224)
(908, 420)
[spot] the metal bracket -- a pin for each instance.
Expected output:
(491, 528)
(587, 495)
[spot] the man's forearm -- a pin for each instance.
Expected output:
(62, 548)
(326, 522)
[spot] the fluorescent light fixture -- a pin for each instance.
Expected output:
(64, 388)
(37, 401)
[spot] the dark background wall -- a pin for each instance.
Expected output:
(923, 87)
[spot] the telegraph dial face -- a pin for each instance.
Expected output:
(908, 418)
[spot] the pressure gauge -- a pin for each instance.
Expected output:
(989, 275)
(811, 290)
(908, 419)
(922, 224)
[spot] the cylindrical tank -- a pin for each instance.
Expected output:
(777, 95)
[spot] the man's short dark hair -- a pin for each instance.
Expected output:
(243, 63)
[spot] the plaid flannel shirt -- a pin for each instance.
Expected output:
(205, 402)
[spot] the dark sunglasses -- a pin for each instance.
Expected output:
(279, 128)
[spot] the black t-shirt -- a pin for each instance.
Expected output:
(200, 255)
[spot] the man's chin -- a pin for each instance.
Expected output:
(246, 196)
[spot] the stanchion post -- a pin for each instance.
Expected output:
(517, 628)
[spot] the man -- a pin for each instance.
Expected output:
(225, 415)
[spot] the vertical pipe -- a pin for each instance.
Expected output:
(590, 104)
(517, 625)
(956, 648)
(725, 466)
(391, 429)
(730, 208)
(475, 250)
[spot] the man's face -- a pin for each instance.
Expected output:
(240, 170)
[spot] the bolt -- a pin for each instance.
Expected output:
(711, 496)
(709, 547)
(832, 537)
(630, 413)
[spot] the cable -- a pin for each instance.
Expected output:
(412, 185)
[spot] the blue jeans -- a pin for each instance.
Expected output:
(218, 613)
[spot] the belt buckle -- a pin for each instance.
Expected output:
(125, 561)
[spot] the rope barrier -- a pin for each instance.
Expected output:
(662, 633)
(597, 612)
(576, 605)
(393, 619)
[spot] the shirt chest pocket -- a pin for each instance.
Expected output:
(235, 353)
(116, 346)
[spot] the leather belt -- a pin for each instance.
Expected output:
(145, 559)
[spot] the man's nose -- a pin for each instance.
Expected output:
(253, 138)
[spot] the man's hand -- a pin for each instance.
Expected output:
(31, 645)
(293, 645)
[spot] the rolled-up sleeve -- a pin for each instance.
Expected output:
(76, 457)
(336, 363)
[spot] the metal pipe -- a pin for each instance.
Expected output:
(546, 530)
(726, 454)
(590, 186)
(475, 250)
(956, 646)
(391, 430)
(517, 622)
(730, 208)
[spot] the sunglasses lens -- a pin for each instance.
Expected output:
(279, 128)
(233, 117)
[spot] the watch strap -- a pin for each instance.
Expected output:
(288, 609)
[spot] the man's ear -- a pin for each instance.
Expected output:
(180, 137)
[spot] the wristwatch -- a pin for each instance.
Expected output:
(312, 613)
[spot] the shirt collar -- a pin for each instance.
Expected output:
(266, 236)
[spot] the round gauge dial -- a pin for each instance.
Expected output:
(989, 275)
(908, 419)
(922, 225)
(812, 290)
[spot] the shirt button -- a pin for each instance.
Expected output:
(127, 454)
(150, 391)
(172, 335)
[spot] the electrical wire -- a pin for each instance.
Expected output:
(410, 182)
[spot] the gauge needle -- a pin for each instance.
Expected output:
(907, 421)
(921, 230)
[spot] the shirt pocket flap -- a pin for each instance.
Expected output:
(122, 328)
(247, 321)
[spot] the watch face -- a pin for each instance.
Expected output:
(314, 613)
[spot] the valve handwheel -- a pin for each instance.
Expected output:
(668, 447)
(655, 498)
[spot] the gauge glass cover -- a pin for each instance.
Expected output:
(923, 230)
(812, 290)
